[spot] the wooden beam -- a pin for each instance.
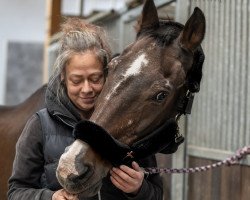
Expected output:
(53, 16)
(53, 20)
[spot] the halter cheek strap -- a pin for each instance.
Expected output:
(185, 104)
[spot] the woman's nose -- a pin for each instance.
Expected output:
(86, 87)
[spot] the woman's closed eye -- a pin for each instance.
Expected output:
(96, 79)
(76, 81)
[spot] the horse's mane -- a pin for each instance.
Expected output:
(164, 33)
(168, 32)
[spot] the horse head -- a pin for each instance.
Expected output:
(142, 91)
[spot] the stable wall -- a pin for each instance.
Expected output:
(22, 22)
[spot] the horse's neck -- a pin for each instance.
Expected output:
(35, 102)
(25, 109)
(6, 109)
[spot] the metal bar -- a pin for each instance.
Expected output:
(130, 15)
(247, 74)
(243, 81)
(225, 63)
(231, 74)
(82, 7)
(182, 10)
(214, 154)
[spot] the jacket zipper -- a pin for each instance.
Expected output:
(59, 116)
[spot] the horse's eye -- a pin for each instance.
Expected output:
(160, 96)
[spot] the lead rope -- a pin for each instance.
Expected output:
(240, 154)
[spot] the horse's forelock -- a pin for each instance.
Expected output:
(164, 34)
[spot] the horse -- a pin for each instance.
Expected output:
(12, 122)
(143, 91)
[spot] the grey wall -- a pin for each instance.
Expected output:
(24, 70)
(22, 21)
(220, 122)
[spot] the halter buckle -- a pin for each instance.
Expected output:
(127, 160)
(188, 102)
(179, 139)
(129, 155)
(185, 104)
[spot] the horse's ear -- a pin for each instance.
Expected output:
(149, 17)
(194, 31)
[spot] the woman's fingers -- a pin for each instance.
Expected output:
(127, 179)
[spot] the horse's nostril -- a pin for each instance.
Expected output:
(83, 175)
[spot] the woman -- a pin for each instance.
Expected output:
(79, 75)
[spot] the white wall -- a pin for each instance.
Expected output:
(19, 21)
(72, 7)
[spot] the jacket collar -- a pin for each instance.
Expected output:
(62, 108)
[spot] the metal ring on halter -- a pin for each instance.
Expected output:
(177, 117)
(178, 138)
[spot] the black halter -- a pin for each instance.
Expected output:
(118, 153)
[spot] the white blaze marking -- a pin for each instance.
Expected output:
(168, 84)
(133, 70)
(112, 91)
(68, 158)
(136, 66)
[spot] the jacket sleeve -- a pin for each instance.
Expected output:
(152, 186)
(24, 182)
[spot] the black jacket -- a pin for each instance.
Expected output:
(37, 154)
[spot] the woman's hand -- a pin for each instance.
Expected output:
(64, 195)
(127, 179)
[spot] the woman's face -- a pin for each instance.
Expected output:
(84, 80)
